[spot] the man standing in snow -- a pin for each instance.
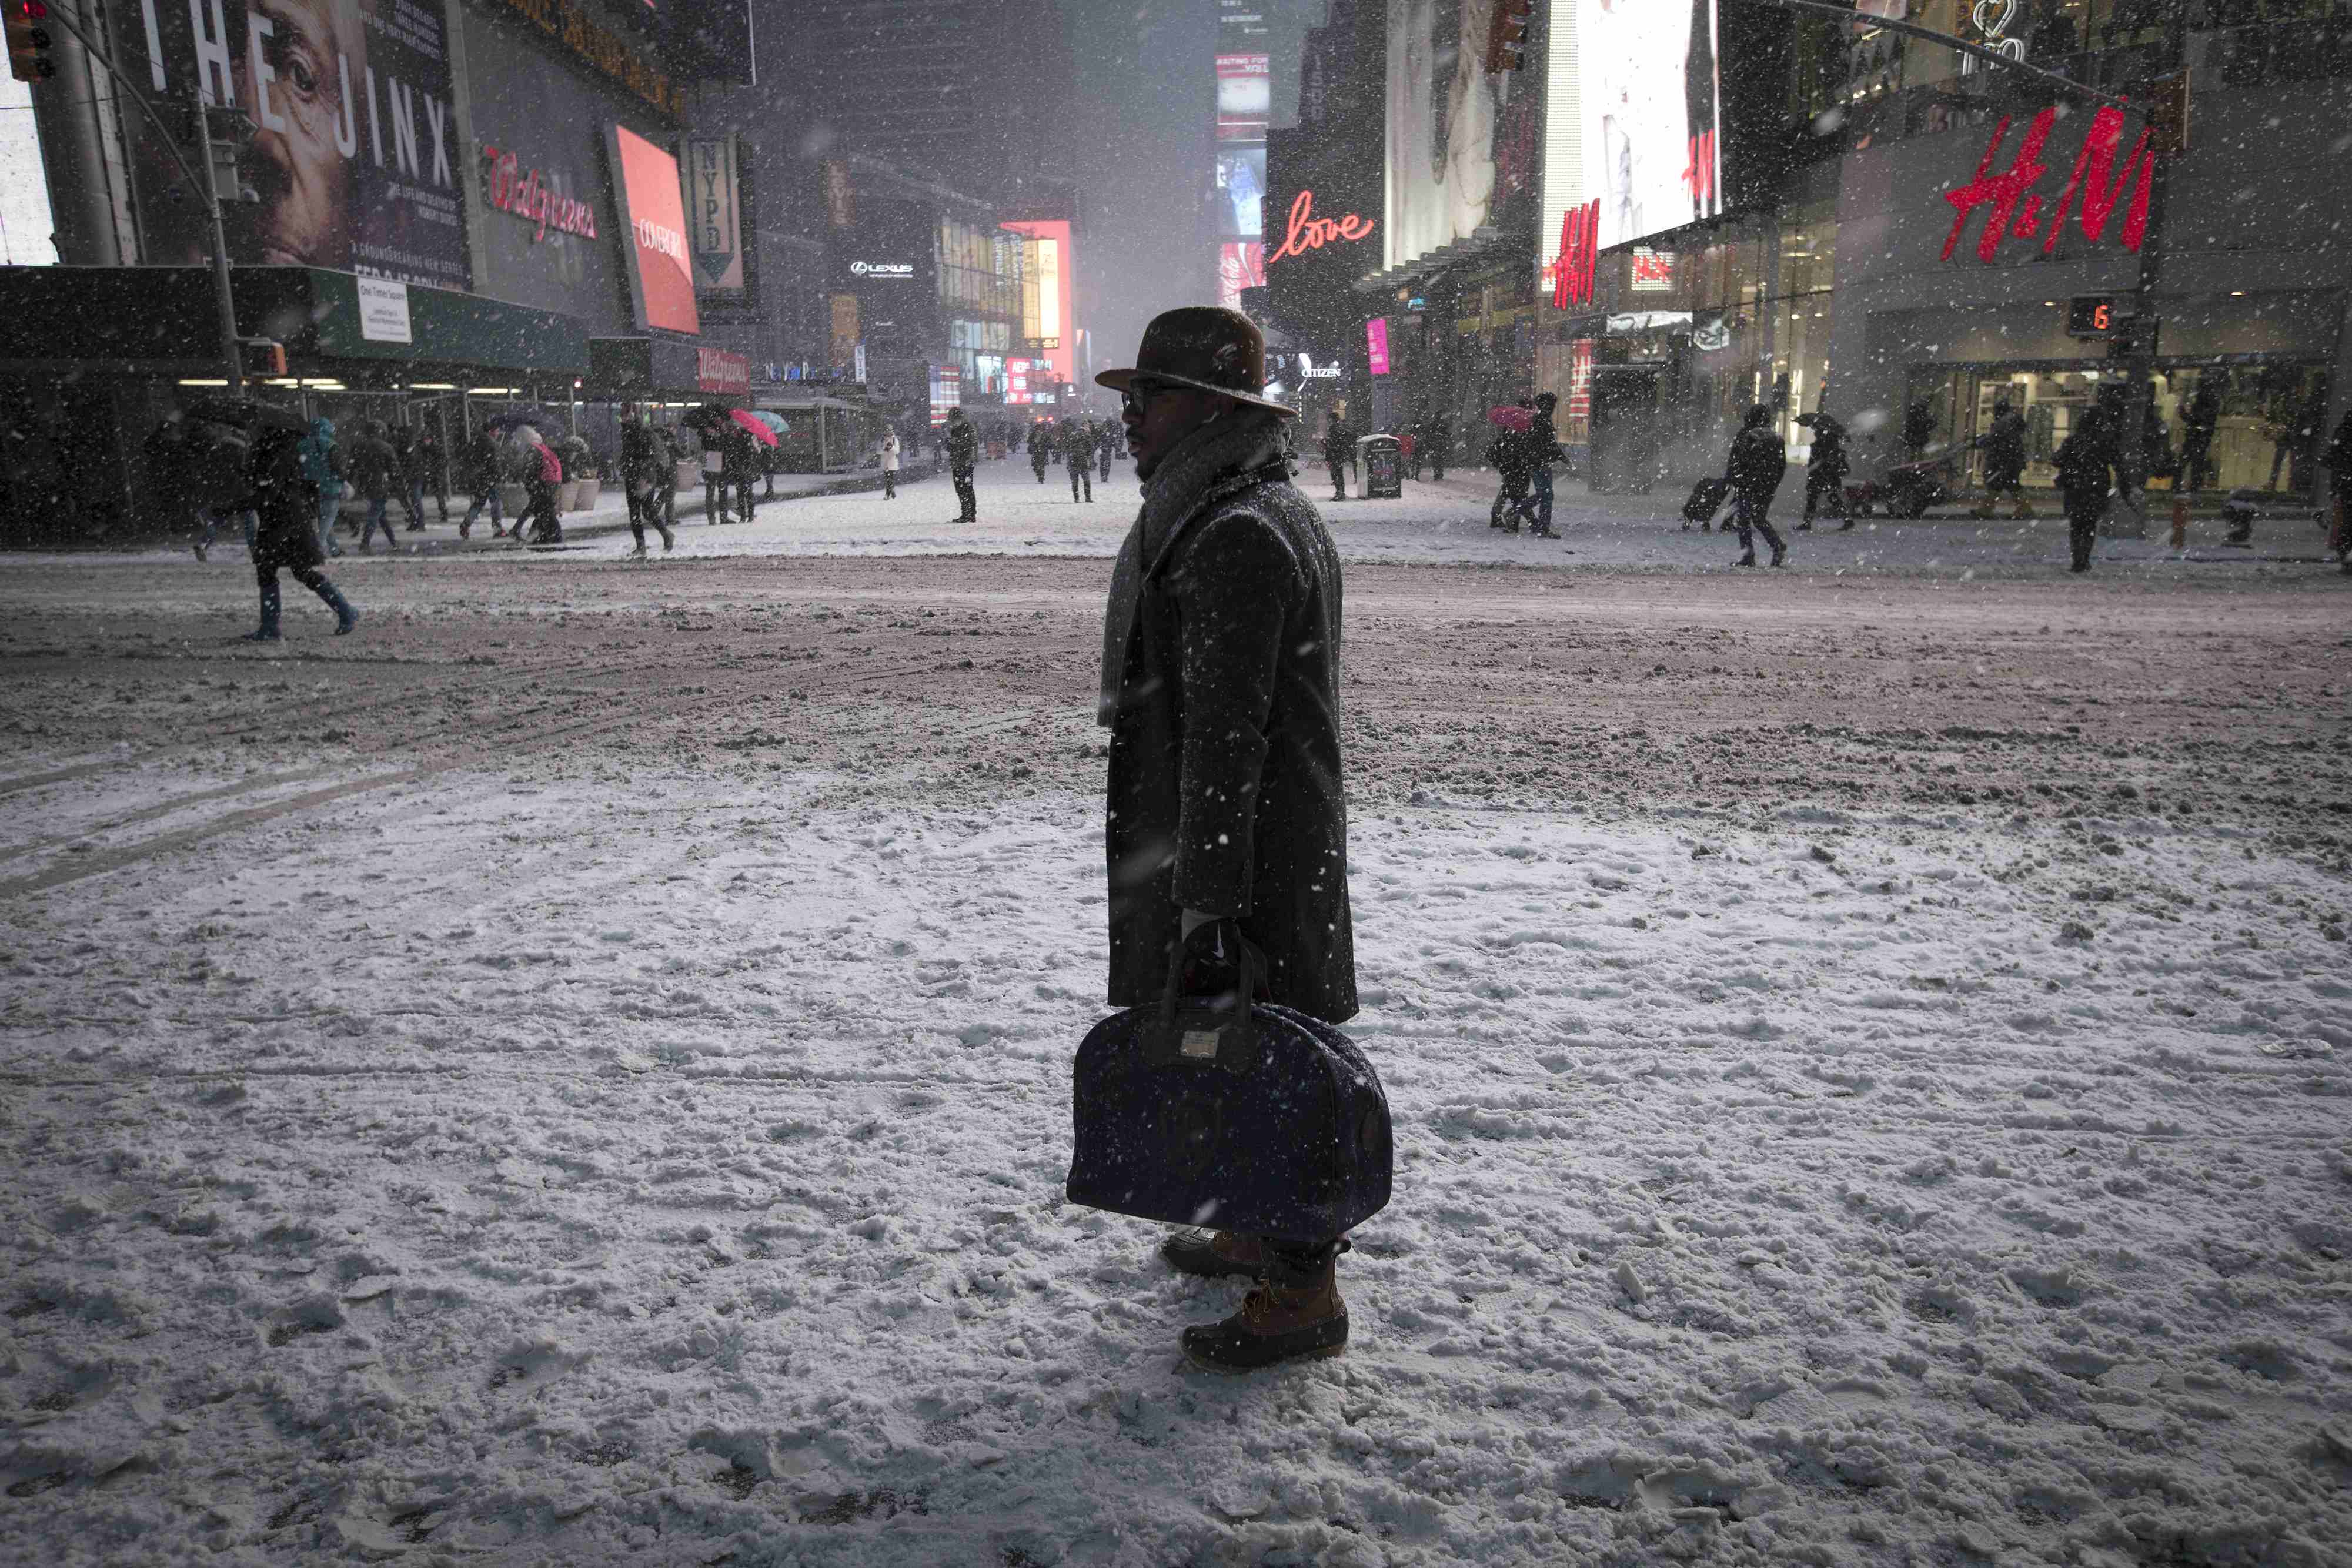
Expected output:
(962, 444)
(1079, 456)
(1227, 815)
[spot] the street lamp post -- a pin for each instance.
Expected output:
(201, 177)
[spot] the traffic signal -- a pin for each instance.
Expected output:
(30, 35)
(2091, 315)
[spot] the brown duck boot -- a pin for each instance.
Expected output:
(1296, 1316)
(1214, 1255)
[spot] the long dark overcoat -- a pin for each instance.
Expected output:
(1221, 688)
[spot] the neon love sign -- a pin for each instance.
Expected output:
(2017, 213)
(1306, 232)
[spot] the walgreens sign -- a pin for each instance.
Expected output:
(535, 196)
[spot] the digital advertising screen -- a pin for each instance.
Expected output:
(653, 204)
(1245, 97)
(1648, 101)
(1045, 289)
(1240, 191)
(355, 162)
(1463, 144)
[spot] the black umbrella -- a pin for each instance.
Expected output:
(245, 413)
(707, 415)
(508, 420)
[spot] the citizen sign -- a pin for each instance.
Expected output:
(882, 269)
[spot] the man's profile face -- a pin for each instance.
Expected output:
(315, 47)
(1168, 416)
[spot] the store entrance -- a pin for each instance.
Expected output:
(2219, 426)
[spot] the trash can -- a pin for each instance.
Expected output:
(1381, 460)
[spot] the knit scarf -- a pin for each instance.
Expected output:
(1230, 453)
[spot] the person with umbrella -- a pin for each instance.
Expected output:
(480, 468)
(542, 471)
(740, 457)
(285, 504)
(1825, 471)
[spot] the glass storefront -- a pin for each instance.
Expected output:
(2267, 419)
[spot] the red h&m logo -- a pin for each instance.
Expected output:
(1699, 174)
(1572, 274)
(2016, 211)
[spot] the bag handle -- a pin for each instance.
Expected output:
(1250, 963)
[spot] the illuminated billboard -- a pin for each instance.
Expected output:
(653, 209)
(1240, 191)
(1648, 105)
(1463, 141)
(1241, 264)
(1245, 97)
(1045, 288)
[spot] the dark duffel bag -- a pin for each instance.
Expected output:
(1203, 1110)
(1706, 500)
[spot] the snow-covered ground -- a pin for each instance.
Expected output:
(622, 1156)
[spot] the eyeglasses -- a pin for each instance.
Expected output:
(1136, 399)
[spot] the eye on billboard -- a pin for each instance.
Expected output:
(1649, 103)
(653, 203)
(1461, 140)
(354, 156)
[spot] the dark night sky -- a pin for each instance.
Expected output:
(1141, 128)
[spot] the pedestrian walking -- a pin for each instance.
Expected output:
(409, 475)
(215, 461)
(643, 457)
(323, 466)
(714, 479)
(1338, 445)
(1756, 466)
(1825, 471)
(1416, 445)
(2338, 461)
(1079, 457)
(1509, 453)
(432, 465)
(1543, 449)
(962, 444)
(1041, 447)
(1105, 441)
(374, 466)
(2004, 448)
(482, 470)
(741, 454)
(1441, 444)
(286, 532)
(2199, 422)
(542, 472)
(889, 464)
(1226, 805)
(2086, 461)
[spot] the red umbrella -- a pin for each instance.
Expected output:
(760, 433)
(1512, 418)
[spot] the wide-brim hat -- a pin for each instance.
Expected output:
(1206, 348)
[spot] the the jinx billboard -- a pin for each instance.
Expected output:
(354, 160)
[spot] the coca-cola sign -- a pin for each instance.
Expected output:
(535, 196)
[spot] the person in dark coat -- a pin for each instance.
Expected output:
(214, 463)
(1339, 446)
(1543, 449)
(432, 471)
(1079, 456)
(1106, 443)
(2199, 420)
(286, 533)
(1508, 455)
(2087, 459)
(741, 450)
(1757, 465)
(480, 468)
(1226, 815)
(1825, 471)
(542, 471)
(374, 466)
(2004, 449)
(963, 445)
(1041, 447)
(1441, 443)
(2337, 460)
(644, 456)
(409, 475)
